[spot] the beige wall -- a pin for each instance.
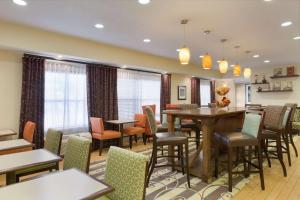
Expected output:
(276, 98)
(10, 89)
(180, 80)
(240, 92)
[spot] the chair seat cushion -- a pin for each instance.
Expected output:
(134, 130)
(170, 138)
(236, 139)
(107, 134)
(268, 134)
(296, 125)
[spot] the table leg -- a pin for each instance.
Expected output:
(10, 178)
(122, 138)
(171, 121)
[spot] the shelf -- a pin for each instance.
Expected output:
(285, 76)
(275, 91)
(260, 83)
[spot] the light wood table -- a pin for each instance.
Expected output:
(13, 146)
(212, 119)
(6, 133)
(120, 123)
(63, 185)
(18, 161)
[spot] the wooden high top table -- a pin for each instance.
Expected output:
(212, 120)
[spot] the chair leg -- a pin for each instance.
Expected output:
(216, 160)
(287, 145)
(280, 157)
(244, 161)
(130, 141)
(152, 164)
(187, 163)
(249, 158)
(264, 147)
(197, 138)
(293, 144)
(180, 157)
(100, 147)
(261, 172)
(135, 138)
(229, 169)
(144, 138)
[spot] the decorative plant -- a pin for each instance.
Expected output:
(222, 92)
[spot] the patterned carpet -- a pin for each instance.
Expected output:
(168, 185)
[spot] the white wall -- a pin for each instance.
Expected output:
(240, 92)
(180, 80)
(231, 94)
(10, 89)
(276, 98)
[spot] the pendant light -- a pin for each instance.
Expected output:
(207, 59)
(237, 67)
(184, 52)
(247, 70)
(223, 65)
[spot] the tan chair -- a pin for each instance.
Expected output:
(137, 129)
(100, 134)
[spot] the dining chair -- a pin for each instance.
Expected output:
(172, 140)
(137, 129)
(78, 153)
(126, 172)
(296, 122)
(249, 137)
(100, 134)
(251, 106)
(52, 144)
(274, 128)
(289, 127)
(29, 131)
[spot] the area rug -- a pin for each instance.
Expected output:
(168, 185)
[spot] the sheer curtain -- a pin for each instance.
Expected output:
(205, 92)
(136, 89)
(65, 97)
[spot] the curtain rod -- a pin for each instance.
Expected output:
(86, 63)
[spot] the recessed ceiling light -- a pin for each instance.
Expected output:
(59, 56)
(144, 2)
(147, 40)
(232, 65)
(177, 50)
(124, 67)
(99, 26)
(256, 56)
(297, 38)
(285, 24)
(201, 56)
(266, 61)
(20, 2)
(267, 0)
(219, 61)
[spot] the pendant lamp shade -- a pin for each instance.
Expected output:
(184, 55)
(223, 66)
(237, 70)
(206, 61)
(247, 72)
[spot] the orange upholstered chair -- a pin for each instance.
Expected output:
(100, 134)
(137, 129)
(29, 130)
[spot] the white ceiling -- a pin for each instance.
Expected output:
(252, 24)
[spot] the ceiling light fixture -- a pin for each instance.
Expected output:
(184, 53)
(256, 56)
(267, 0)
(285, 24)
(201, 56)
(177, 50)
(20, 2)
(231, 65)
(147, 40)
(247, 72)
(144, 2)
(99, 26)
(237, 67)
(59, 57)
(223, 64)
(207, 59)
(297, 38)
(267, 61)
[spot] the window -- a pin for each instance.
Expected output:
(248, 93)
(205, 92)
(136, 89)
(65, 97)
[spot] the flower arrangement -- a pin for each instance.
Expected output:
(223, 91)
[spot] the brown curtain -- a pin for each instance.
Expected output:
(165, 91)
(212, 91)
(32, 99)
(102, 91)
(195, 91)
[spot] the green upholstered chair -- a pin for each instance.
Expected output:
(78, 152)
(296, 121)
(52, 144)
(126, 172)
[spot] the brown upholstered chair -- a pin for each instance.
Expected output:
(29, 131)
(137, 129)
(274, 130)
(289, 127)
(167, 139)
(100, 134)
(248, 137)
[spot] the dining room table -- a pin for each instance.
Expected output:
(14, 146)
(61, 185)
(212, 120)
(120, 124)
(11, 163)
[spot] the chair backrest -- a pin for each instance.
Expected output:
(151, 120)
(53, 141)
(77, 155)
(29, 130)
(97, 125)
(141, 120)
(253, 123)
(153, 107)
(297, 115)
(293, 107)
(274, 117)
(126, 172)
